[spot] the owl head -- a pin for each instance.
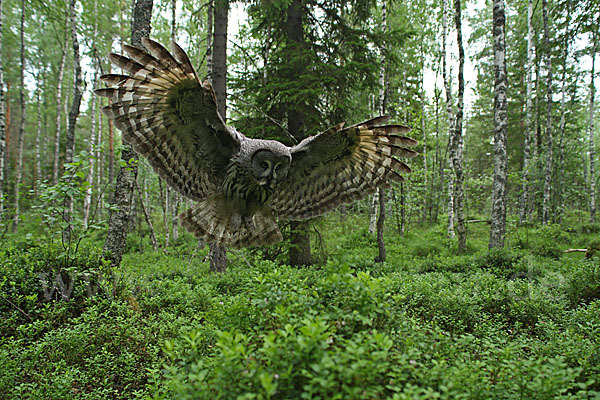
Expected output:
(270, 165)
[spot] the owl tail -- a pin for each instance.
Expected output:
(212, 223)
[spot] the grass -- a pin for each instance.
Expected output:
(521, 323)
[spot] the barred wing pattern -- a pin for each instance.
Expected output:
(170, 118)
(341, 165)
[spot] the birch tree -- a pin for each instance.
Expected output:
(456, 138)
(592, 150)
(448, 90)
(498, 227)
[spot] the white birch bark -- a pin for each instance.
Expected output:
(59, 106)
(2, 122)
(592, 149)
(448, 90)
(498, 217)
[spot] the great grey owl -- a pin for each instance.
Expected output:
(242, 185)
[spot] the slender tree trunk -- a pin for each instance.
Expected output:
(592, 148)
(209, 39)
(164, 202)
(499, 198)
(456, 148)
(549, 138)
(525, 195)
(123, 196)
(19, 167)
(173, 20)
(174, 215)
(111, 151)
(87, 201)
(448, 90)
(74, 112)
(299, 253)
(563, 120)
(59, 106)
(37, 170)
(218, 74)
(147, 217)
(382, 104)
(2, 123)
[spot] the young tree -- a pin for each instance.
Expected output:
(498, 227)
(123, 195)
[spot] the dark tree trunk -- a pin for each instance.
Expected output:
(299, 253)
(499, 198)
(381, 256)
(21, 141)
(123, 196)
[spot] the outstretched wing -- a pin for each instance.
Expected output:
(170, 118)
(341, 165)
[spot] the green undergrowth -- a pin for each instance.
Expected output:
(521, 323)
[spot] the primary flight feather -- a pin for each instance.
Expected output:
(242, 185)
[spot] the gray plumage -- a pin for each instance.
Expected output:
(241, 184)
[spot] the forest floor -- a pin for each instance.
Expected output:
(521, 323)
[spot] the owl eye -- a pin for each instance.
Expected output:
(265, 165)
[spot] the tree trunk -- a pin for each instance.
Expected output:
(59, 106)
(37, 170)
(218, 76)
(209, 39)
(448, 90)
(122, 198)
(382, 104)
(74, 112)
(173, 20)
(21, 140)
(299, 253)
(164, 202)
(456, 153)
(2, 122)
(549, 139)
(563, 120)
(498, 228)
(174, 215)
(87, 201)
(111, 151)
(592, 149)
(147, 217)
(525, 196)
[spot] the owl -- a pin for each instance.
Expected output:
(242, 186)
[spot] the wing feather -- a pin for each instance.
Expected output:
(170, 117)
(341, 165)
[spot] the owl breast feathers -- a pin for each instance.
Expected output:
(242, 185)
